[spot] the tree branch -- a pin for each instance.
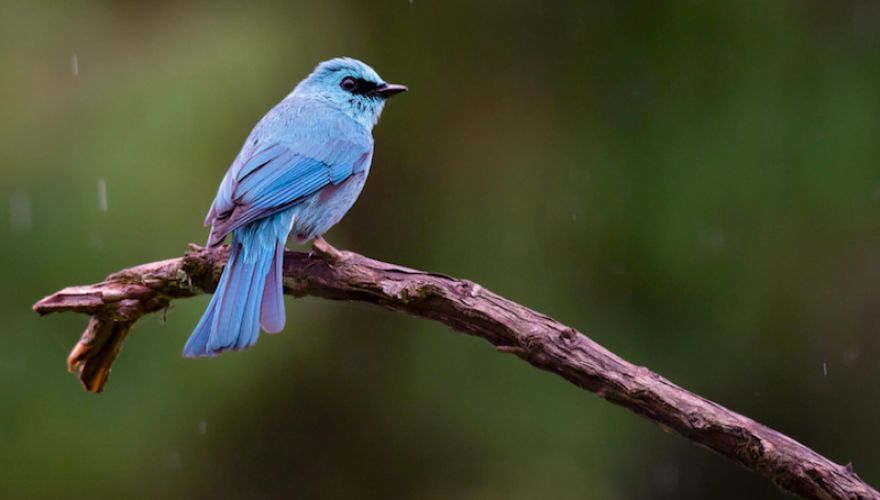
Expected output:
(118, 302)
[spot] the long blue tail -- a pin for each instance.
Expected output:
(250, 292)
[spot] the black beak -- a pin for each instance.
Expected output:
(387, 90)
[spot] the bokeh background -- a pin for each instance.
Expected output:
(695, 185)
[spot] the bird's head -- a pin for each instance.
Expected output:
(351, 86)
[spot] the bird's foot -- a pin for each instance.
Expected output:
(325, 250)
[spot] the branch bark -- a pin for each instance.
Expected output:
(118, 302)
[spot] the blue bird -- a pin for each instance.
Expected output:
(300, 170)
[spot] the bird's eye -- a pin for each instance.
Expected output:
(349, 84)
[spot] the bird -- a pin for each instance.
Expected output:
(300, 170)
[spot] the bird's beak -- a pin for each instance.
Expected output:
(387, 90)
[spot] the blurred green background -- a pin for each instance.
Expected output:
(694, 185)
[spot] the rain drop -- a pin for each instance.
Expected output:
(102, 195)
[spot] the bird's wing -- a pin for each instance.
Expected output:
(269, 177)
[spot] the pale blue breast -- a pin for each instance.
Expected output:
(316, 214)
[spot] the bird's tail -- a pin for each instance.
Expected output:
(249, 294)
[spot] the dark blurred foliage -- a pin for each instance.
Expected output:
(695, 185)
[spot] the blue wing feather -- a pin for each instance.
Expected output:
(258, 159)
(275, 170)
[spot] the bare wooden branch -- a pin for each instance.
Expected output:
(118, 302)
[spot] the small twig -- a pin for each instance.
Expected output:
(118, 302)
